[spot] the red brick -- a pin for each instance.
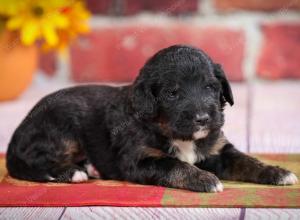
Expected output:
(167, 6)
(259, 5)
(131, 7)
(117, 54)
(101, 6)
(280, 54)
(48, 63)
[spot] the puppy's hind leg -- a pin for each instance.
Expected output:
(91, 170)
(56, 173)
(47, 160)
(68, 174)
(72, 166)
(17, 168)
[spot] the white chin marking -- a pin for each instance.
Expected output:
(79, 176)
(289, 179)
(202, 133)
(218, 188)
(92, 172)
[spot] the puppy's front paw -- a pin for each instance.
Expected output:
(289, 179)
(208, 183)
(277, 176)
(217, 188)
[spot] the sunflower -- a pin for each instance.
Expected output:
(41, 19)
(77, 16)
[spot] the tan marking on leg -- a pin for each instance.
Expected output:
(218, 146)
(73, 151)
(72, 147)
(151, 152)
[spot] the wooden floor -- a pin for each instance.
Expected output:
(148, 213)
(265, 118)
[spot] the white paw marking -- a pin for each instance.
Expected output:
(51, 178)
(218, 188)
(289, 179)
(79, 176)
(92, 172)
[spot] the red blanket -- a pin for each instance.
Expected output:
(114, 193)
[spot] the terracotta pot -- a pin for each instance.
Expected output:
(17, 65)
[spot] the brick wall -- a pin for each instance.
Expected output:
(250, 38)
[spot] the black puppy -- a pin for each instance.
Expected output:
(164, 129)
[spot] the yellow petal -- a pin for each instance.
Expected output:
(50, 35)
(59, 20)
(55, 3)
(11, 7)
(15, 22)
(29, 32)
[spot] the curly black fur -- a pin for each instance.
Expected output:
(164, 129)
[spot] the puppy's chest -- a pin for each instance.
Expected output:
(186, 151)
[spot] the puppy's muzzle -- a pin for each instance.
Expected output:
(201, 119)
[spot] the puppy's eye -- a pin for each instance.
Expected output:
(173, 94)
(208, 87)
(212, 88)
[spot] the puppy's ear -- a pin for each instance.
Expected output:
(226, 89)
(143, 100)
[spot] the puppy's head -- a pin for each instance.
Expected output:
(182, 90)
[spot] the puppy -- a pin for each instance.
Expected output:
(164, 129)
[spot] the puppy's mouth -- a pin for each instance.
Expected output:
(197, 133)
(200, 132)
(185, 133)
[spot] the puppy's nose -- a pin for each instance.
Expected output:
(201, 119)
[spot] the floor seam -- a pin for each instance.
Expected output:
(62, 213)
(242, 214)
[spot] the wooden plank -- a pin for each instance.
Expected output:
(236, 117)
(149, 213)
(31, 213)
(275, 117)
(272, 214)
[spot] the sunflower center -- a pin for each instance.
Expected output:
(38, 11)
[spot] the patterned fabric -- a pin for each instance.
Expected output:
(114, 193)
